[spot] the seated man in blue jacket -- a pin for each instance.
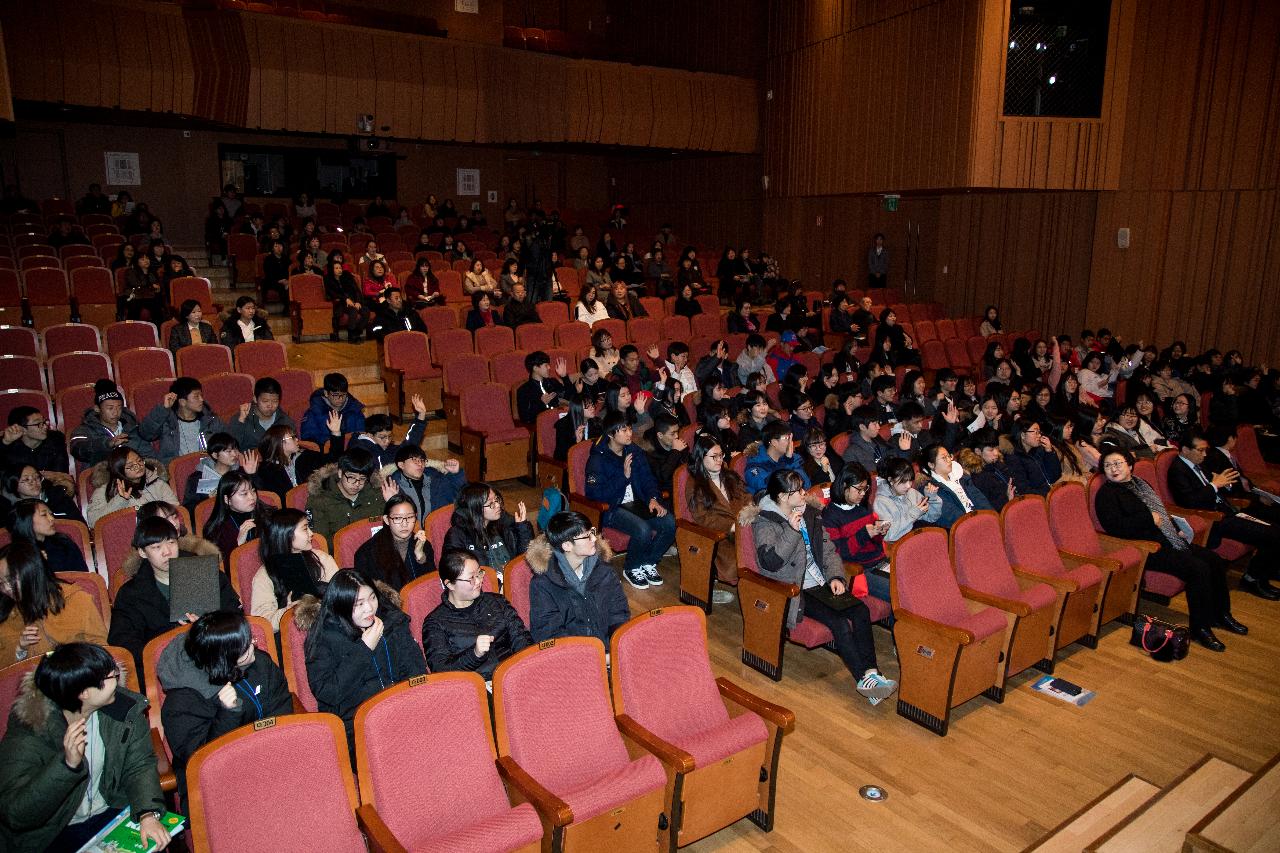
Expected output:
(574, 591)
(776, 452)
(335, 396)
(618, 476)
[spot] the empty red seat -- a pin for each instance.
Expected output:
(201, 360)
(71, 404)
(48, 296)
(491, 340)
(933, 355)
(450, 344)
(573, 336)
(552, 313)
(958, 355)
(408, 371)
(676, 328)
(508, 368)
(494, 446)
(19, 340)
(260, 358)
(22, 371)
(78, 368)
(439, 318)
(130, 334)
(142, 363)
(535, 336)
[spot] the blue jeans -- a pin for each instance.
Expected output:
(650, 537)
(878, 587)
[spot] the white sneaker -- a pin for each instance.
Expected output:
(876, 688)
(651, 575)
(721, 596)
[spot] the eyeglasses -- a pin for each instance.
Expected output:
(716, 455)
(1116, 465)
(1032, 431)
(337, 395)
(474, 580)
(402, 519)
(590, 534)
(859, 487)
(37, 425)
(493, 504)
(137, 465)
(355, 479)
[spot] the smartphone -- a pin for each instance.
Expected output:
(1064, 686)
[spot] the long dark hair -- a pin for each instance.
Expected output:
(227, 486)
(703, 492)
(277, 541)
(336, 606)
(115, 472)
(20, 525)
(38, 590)
(394, 570)
(468, 514)
(216, 642)
(271, 446)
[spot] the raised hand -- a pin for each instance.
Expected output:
(1009, 490)
(227, 696)
(170, 399)
(904, 440)
(246, 527)
(653, 351)
(452, 466)
(626, 466)
(334, 423)
(244, 411)
(796, 518)
(30, 635)
(562, 368)
(521, 513)
(74, 741)
(419, 406)
(249, 461)
(389, 489)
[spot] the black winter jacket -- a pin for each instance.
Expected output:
(515, 537)
(557, 610)
(449, 634)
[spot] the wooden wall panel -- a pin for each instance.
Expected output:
(717, 36)
(715, 200)
(6, 94)
(855, 110)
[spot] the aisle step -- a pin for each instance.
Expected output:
(1248, 820)
(1099, 816)
(1161, 825)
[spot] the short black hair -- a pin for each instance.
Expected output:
(267, 385)
(245, 300)
(377, 423)
(185, 385)
(1219, 433)
(895, 468)
(185, 309)
(216, 642)
(676, 348)
(453, 562)
(221, 441)
(72, 668)
(153, 530)
(910, 409)
(357, 460)
(985, 437)
(408, 451)
(883, 383)
(627, 350)
(537, 358)
(565, 527)
(865, 415)
(755, 340)
(19, 414)
(335, 382)
(612, 422)
(775, 430)
(662, 423)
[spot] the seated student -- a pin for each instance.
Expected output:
(802, 422)
(1034, 463)
(482, 526)
(245, 324)
(856, 532)
(717, 422)
(25, 482)
(106, 426)
(820, 465)
(668, 453)
(29, 441)
(60, 782)
(715, 495)
(429, 483)
(181, 423)
(140, 612)
(755, 416)
(715, 365)
(618, 476)
(993, 477)
(1258, 525)
(401, 551)
(358, 643)
(126, 480)
(955, 487)
(542, 391)
(190, 328)
(1129, 508)
(574, 591)
(285, 464)
(753, 359)
(632, 373)
(285, 545)
(376, 438)
(1123, 430)
(335, 396)
(393, 315)
(898, 501)
(884, 398)
(222, 454)
(342, 289)
(250, 426)
(238, 516)
(470, 630)
(214, 681)
(792, 546)
(33, 523)
(348, 491)
(578, 424)
(776, 452)
(38, 611)
(840, 416)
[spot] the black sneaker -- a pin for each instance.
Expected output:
(651, 575)
(636, 577)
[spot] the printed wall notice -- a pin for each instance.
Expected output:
(122, 169)
(468, 182)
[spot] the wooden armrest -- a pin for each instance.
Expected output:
(1141, 544)
(544, 459)
(1009, 605)
(1059, 583)
(852, 570)
(787, 590)
(950, 632)
(668, 753)
(698, 530)
(472, 431)
(783, 718)
(553, 809)
(1106, 564)
(381, 840)
(164, 768)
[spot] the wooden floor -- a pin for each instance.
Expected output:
(1006, 773)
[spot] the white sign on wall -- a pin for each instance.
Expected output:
(468, 182)
(122, 169)
(467, 7)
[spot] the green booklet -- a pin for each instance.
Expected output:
(121, 834)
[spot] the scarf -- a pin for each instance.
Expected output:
(1152, 500)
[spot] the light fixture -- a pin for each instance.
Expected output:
(1053, 80)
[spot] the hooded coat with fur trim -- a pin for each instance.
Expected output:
(781, 553)
(343, 672)
(155, 488)
(331, 510)
(556, 609)
(39, 794)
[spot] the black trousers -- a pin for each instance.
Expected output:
(1266, 539)
(1204, 573)
(851, 629)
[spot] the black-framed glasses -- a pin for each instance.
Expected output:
(36, 425)
(590, 534)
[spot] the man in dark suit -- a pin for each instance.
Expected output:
(1194, 488)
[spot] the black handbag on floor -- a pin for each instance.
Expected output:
(1163, 641)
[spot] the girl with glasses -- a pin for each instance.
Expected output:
(856, 531)
(716, 495)
(125, 480)
(401, 551)
(25, 482)
(470, 630)
(482, 526)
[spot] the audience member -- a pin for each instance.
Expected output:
(776, 452)
(470, 630)
(574, 591)
(429, 483)
(181, 423)
(376, 437)
(285, 464)
(856, 532)
(25, 482)
(293, 570)
(106, 426)
(715, 496)
(1034, 464)
(38, 610)
(334, 396)
(348, 491)
(237, 517)
(28, 440)
(124, 479)
(341, 288)
(400, 551)
(481, 526)
(541, 391)
(250, 426)
(899, 503)
(245, 324)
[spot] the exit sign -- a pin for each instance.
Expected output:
(891, 203)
